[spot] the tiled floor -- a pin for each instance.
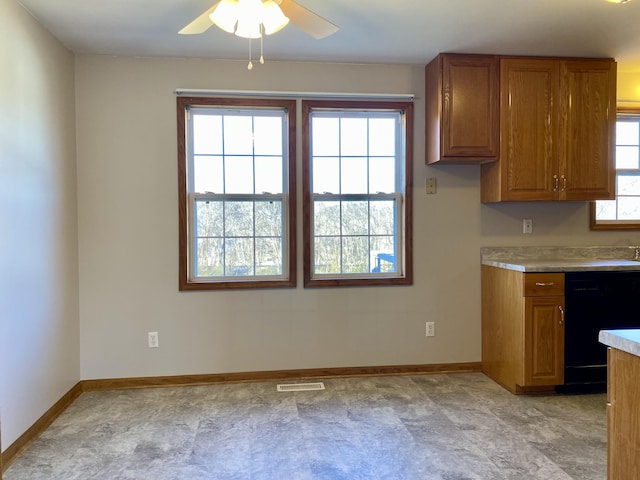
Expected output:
(444, 427)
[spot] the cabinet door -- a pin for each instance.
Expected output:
(529, 122)
(587, 130)
(623, 408)
(544, 341)
(470, 106)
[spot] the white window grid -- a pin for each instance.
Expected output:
(397, 196)
(622, 172)
(193, 197)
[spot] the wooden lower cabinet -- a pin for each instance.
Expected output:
(623, 416)
(544, 341)
(523, 329)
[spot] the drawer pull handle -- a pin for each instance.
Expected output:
(561, 314)
(543, 284)
(556, 183)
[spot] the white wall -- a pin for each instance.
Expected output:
(128, 239)
(39, 326)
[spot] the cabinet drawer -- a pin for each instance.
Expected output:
(543, 284)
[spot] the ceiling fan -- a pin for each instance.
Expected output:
(303, 18)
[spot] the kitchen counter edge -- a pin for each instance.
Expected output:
(574, 265)
(627, 340)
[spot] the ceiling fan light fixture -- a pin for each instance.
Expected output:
(249, 18)
(225, 16)
(248, 29)
(273, 19)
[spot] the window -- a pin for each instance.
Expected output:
(624, 211)
(357, 207)
(236, 178)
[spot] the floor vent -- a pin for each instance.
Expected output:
(300, 387)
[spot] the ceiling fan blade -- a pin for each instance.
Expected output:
(306, 20)
(200, 24)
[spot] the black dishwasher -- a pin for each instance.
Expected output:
(595, 301)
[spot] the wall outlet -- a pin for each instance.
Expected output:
(527, 226)
(431, 329)
(153, 339)
(431, 185)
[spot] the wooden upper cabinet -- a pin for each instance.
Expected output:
(587, 126)
(528, 150)
(462, 109)
(557, 131)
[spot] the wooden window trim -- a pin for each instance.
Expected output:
(407, 239)
(184, 282)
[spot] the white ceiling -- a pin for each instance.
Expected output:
(371, 31)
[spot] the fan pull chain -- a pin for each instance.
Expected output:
(250, 66)
(261, 37)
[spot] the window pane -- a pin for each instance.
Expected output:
(269, 256)
(627, 133)
(325, 136)
(210, 257)
(383, 254)
(355, 255)
(628, 208)
(267, 135)
(353, 175)
(238, 219)
(238, 174)
(326, 218)
(326, 175)
(627, 157)
(382, 174)
(353, 137)
(208, 174)
(269, 174)
(629, 184)
(606, 209)
(238, 135)
(382, 217)
(327, 254)
(355, 218)
(268, 219)
(207, 134)
(382, 137)
(238, 256)
(209, 218)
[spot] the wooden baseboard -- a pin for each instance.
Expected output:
(274, 375)
(17, 447)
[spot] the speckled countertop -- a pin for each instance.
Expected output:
(561, 259)
(625, 340)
